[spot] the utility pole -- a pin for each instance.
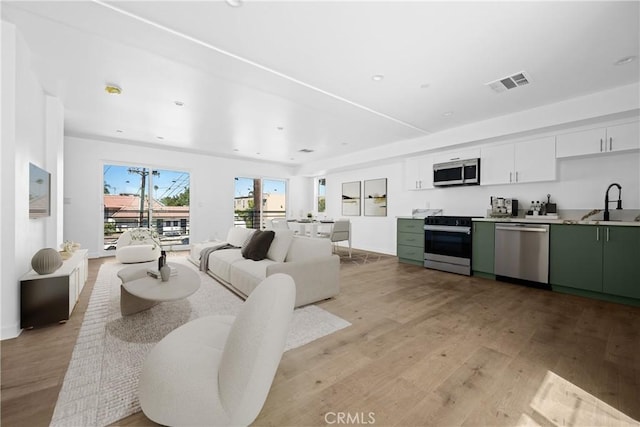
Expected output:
(143, 172)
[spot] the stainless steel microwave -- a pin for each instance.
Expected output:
(458, 172)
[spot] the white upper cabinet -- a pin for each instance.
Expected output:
(418, 173)
(452, 156)
(602, 140)
(496, 165)
(535, 160)
(623, 137)
(529, 161)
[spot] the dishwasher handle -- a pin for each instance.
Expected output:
(522, 227)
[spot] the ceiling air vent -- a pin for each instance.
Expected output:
(510, 82)
(305, 150)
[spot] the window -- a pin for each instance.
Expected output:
(145, 197)
(258, 200)
(321, 197)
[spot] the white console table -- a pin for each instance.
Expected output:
(50, 298)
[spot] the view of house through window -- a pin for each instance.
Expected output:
(258, 200)
(322, 191)
(144, 197)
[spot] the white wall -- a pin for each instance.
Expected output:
(26, 111)
(212, 186)
(580, 184)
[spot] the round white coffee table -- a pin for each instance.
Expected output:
(139, 291)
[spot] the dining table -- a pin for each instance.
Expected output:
(311, 228)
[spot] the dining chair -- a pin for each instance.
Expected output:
(340, 232)
(279, 224)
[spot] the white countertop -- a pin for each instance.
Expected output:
(544, 220)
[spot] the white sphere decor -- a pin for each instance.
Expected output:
(46, 261)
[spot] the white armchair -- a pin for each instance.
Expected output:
(138, 245)
(277, 224)
(217, 370)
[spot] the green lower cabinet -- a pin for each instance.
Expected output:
(575, 254)
(599, 261)
(483, 247)
(622, 261)
(410, 241)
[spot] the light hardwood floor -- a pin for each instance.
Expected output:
(425, 348)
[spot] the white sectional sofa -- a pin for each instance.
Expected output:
(309, 261)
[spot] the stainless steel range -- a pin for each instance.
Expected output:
(447, 243)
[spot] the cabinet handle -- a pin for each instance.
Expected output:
(607, 234)
(610, 143)
(510, 176)
(597, 234)
(601, 145)
(420, 182)
(516, 176)
(455, 158)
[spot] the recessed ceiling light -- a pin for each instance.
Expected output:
(178, 103)
(119, 130)
(424, 85)
(235, 149)
(113, 89)
(305, 150)
(344, 143)
(258, 153)
(160, 137)
(448, 113)
(625, 60)
(377, 77)
(291, 158)
(280, 128)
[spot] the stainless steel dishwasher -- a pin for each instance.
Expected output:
(522, 251)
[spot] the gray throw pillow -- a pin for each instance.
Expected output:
(258, 246)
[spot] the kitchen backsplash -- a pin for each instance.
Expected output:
(596, 214)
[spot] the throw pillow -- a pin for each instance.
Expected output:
(280, 245)
(258, 246)
(238, 236)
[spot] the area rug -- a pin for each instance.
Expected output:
(360, 257)
(100, 386)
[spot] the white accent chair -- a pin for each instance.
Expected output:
(137, 245)
(340, 232)
(277, 224)
(217, 370)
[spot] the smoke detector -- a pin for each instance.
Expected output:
(510, 82)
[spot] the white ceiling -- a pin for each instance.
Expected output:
(306, 67)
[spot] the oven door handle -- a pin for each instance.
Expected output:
(448, 228)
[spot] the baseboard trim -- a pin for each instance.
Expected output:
(596, 295)
(10, 332)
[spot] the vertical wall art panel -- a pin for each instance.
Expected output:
(375, 197)
(351, 198)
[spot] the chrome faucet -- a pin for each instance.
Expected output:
(606, 200)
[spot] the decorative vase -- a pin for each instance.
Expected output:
(46, 261)
(165, 272)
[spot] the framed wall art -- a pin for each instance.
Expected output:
(351, 198)
(39, 192)
(375, 197)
